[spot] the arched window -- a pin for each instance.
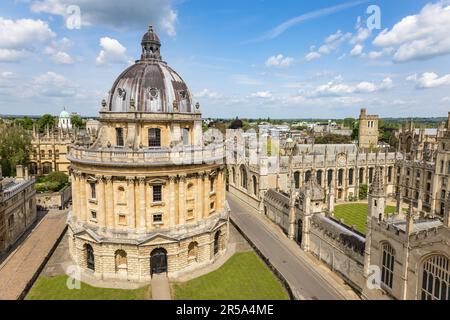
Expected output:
(435, 278)
(47, 168)
(121, 260)
(90, 259)
(193, 251)
(330, 177)
(307, 176)
(371, 170)
(340, 177)
(350, 177)
(243, 177)
(297, 180)
(255, 186)
(217, 242)
(93, 190)
(361, 176)
(233, 172)
(319, 177)
(387, 270)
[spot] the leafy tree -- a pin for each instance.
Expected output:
(77, 122)
(15, 147)
(46, 119)
(363, 190)
(333, 139)
(26, 123)
(53, 182)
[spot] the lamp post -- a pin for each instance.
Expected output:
(290, 147)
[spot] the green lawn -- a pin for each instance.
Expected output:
(243, 277)
(55, 288)
(355, 214)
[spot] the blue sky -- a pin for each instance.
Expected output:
(252, 58)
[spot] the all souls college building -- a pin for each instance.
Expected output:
(149, 194)
(408, 253)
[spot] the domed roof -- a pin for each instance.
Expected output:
(150, 85)
(64, 114)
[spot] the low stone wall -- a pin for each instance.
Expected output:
(340, 248)
(54, 200)
(244, 196)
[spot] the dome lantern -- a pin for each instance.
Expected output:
(151, 45)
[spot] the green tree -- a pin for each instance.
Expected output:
(333, 139)
(363, 190)
(77, 122)
(46, 119)
(15, 147)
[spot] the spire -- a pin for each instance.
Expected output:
(377, 186)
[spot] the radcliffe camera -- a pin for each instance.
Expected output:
(225, 159)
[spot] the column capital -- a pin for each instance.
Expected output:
(141, 180)
(108, 179)
(182, 178)
(172, 178)
(99, 177)
(201, 174)
(130, 179)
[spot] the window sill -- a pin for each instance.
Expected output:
(93, 201)
(158, 224)
(211, 194)
(93, 220)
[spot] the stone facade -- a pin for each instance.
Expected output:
(368, 130)
(344, 168)
(54, 200)
(408, 255)
(148, 194)
(17, 207)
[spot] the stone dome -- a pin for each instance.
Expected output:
(150, 85)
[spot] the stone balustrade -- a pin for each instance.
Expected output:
(212, 154)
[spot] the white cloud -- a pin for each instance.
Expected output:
(429, 80)
(421, 36)
(19, 37)
(51, 84)
(116, 13)
(312, 56)
(262, 94)
(338, 88)
(357, 50)
(9, 55)
(332, 43)
(279, 61)
(57, 51)
(206, 93)
(113, 52)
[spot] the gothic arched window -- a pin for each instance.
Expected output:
(297, 180)
(243, 178)
(436, 278)
(387, 267)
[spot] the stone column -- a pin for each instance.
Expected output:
(199, 198)
(206, 188)
(109, 203)
(101, 214)
(76, 193)
(172, 213)
(182, 200)
(83, 197)
(132, 201)
(142, 209)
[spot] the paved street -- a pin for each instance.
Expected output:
(301, 274)
(23, 263)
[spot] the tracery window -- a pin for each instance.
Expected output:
(436, 278)
(387, 270)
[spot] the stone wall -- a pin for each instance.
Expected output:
(54, 200)
(341, 249)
